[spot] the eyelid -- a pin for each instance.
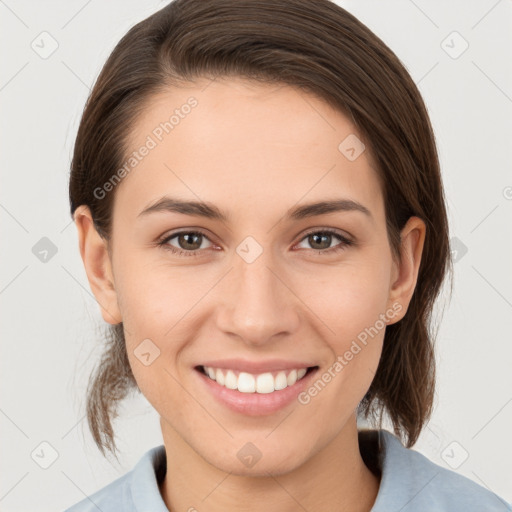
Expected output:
(346, 240)
(165, 238)
(334, 231)
(202, 231)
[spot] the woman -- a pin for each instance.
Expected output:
(261, 217)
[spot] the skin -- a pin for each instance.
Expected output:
(254, 150)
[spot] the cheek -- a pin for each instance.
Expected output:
(350, 310)
(150, 306)
(153, 298)
(349, 299)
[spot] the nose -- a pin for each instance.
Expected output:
(259, 303)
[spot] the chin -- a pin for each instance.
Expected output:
(267, 464)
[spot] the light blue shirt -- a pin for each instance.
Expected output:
(409, 482)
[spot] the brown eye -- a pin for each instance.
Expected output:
(188, 243)
(322, 240)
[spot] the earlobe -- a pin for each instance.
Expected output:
(98, 267)
(405, 276)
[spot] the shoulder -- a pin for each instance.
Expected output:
(128, 492)
(410, 481)
(108, 498)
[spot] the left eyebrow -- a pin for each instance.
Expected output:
(210, 211)
(321, 208)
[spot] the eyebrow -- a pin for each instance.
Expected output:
(210, 211)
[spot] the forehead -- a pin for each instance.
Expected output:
(252, 144)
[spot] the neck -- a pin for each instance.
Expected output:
(333, 479)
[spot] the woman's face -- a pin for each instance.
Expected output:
(261, 285)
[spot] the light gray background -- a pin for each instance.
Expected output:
(51, 323)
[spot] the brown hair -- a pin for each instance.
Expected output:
(324, 50)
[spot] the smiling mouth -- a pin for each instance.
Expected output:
(267, 382)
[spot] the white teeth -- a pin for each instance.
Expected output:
(248, 383)
(292, 378)
(280, 381)
(231, 382)
(265, 383)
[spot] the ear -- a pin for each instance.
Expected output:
(94, 252)
(405, 273)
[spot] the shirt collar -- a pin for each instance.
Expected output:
(145, 478)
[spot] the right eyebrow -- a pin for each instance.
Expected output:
(200, 209)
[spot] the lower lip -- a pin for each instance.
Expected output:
(255, 404)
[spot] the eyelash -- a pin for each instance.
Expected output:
(345, 242)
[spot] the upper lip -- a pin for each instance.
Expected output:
(257, 367)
